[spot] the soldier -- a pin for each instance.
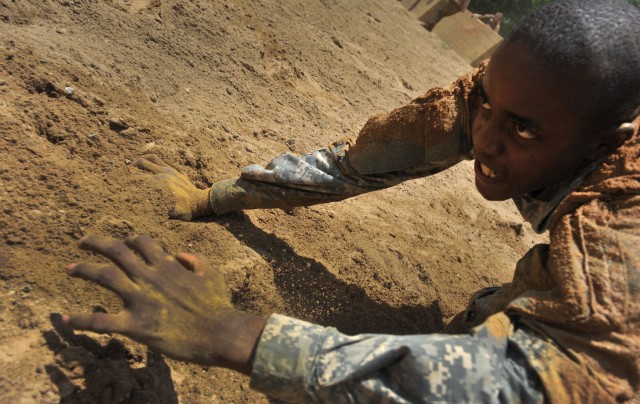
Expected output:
(551, 123)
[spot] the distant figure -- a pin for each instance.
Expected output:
(492, 20)
(449, 8)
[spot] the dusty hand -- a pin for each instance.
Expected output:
(190, 201)
(178, 306)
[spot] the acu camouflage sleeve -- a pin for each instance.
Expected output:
(302, 362)
(429, 135)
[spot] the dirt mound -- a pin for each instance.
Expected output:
(87, 86)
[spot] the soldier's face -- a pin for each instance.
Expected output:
(525, 136)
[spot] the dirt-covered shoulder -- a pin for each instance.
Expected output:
(87, 86)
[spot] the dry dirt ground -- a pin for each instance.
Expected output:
(86, 86)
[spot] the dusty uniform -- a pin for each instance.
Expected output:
(566, 329)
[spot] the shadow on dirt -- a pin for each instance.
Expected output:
(312, 293)
(105, 374)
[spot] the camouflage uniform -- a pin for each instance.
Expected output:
(302, 362)
(566, 329)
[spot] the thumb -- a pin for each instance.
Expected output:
(101, 323)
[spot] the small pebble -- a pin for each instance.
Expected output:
(291, 144)
(129, 132)
(338, 42)
(69, 90)
(118, 123)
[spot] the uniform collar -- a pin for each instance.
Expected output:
(538, 207)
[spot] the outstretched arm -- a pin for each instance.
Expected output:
(178, 306)
(429, 135)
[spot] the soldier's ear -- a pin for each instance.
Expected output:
(612, 137)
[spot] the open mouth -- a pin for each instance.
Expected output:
(486, 171)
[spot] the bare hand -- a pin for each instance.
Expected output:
(178, 306)
(190, 201)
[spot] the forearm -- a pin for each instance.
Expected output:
(243, 331)
(297, 361)
(289, 180)
(240, 194)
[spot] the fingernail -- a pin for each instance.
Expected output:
(66, 318)
(71, 266)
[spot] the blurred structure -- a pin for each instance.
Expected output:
(444, 9)
(470, 38)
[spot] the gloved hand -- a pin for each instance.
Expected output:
(190, 202)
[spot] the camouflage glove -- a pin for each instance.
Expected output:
(190, 202)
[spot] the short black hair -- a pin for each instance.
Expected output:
(599, 38)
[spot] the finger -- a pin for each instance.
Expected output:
(149, 250)
(147, 165)
(156, 160)
(116, 251)
(107, 276)
(194, 263)
(101, 323)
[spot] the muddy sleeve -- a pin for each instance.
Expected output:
(429, 135)
(302, 362)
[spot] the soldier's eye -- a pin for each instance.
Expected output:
(524, 132)
(484, 103)
(484, 100)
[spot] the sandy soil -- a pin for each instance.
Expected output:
(87, 86)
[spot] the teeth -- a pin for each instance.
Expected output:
(487, 171)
